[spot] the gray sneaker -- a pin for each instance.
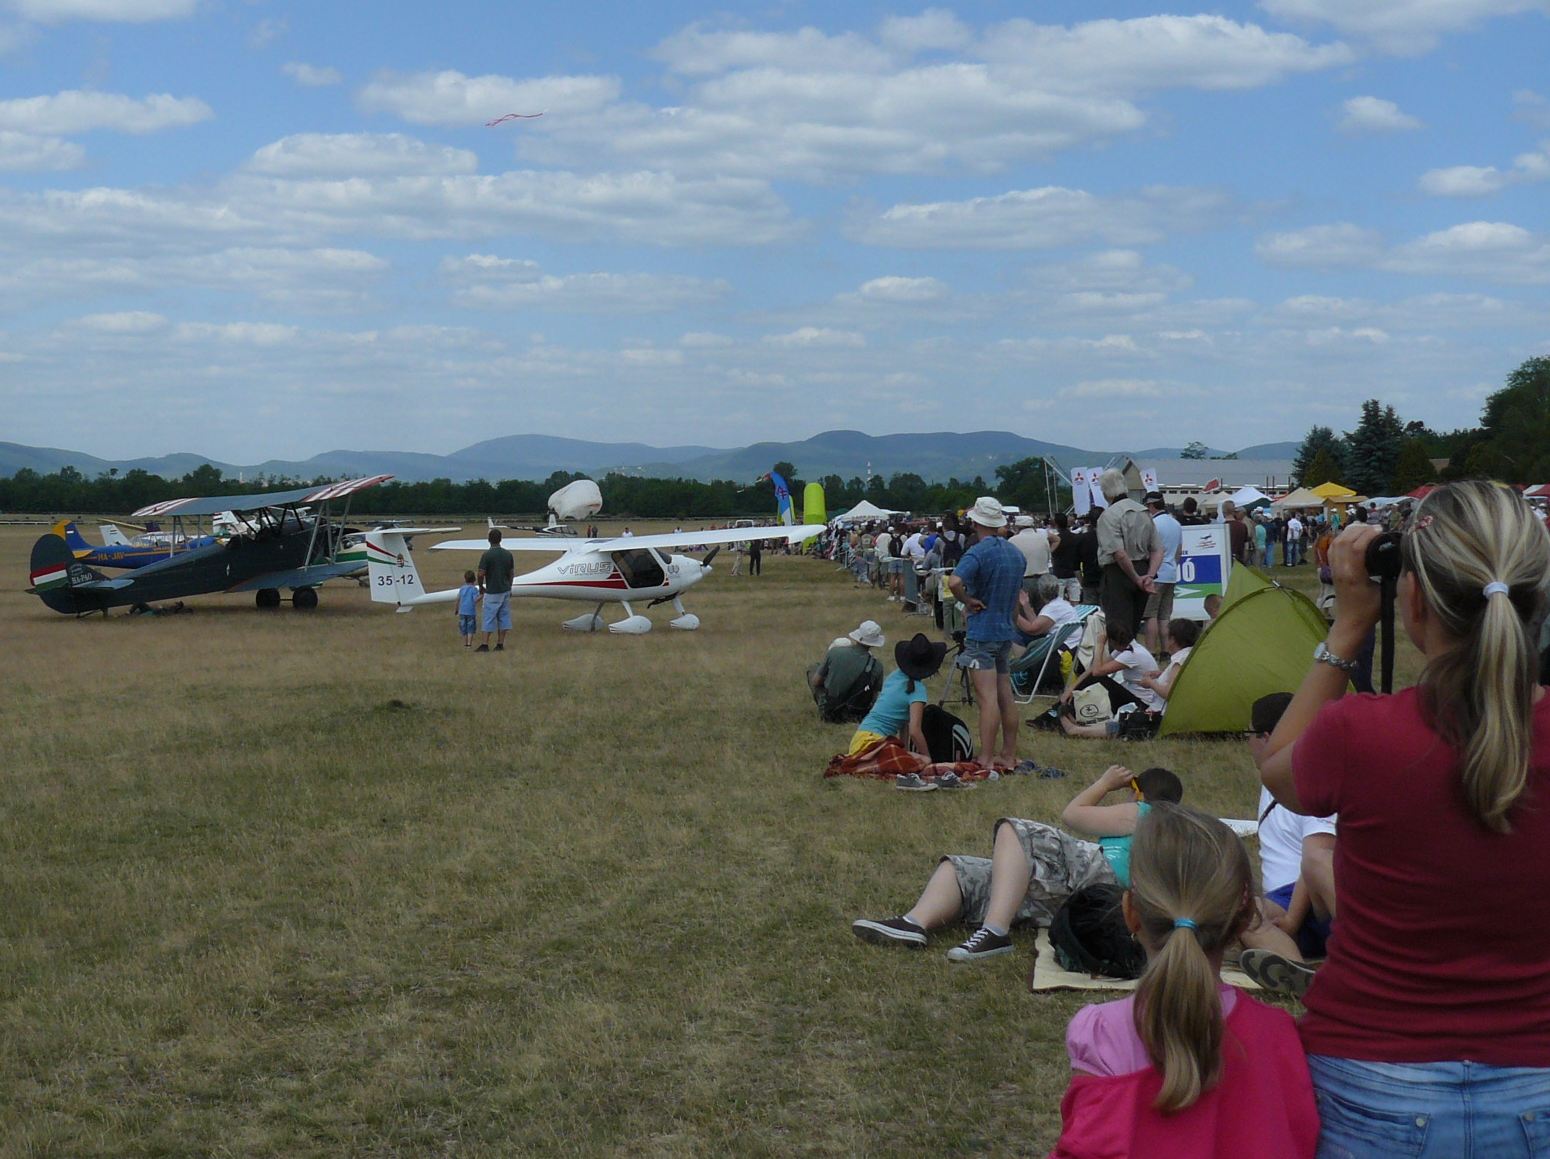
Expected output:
(952, 781)
(889, 932)
(1273, 972)
(912, 783)
(983, 944)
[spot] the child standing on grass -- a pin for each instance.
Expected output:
(1186, 1066)
(468, 608)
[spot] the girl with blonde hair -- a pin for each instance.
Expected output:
(1428, 1030)
(1186, 1066)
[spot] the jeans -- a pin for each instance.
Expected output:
(1433, 1110)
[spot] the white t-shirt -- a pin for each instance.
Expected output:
(1059, 611)
(1281, 835)
(912, 547)
(1033, 542)
(1294, 528)
(1138, 662)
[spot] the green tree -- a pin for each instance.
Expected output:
(1413, 467)
(1317, 439)
(1195, 451)
(1372, 449)
(1516, 424)
(1024, 484)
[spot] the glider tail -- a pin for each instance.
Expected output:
(390, 570)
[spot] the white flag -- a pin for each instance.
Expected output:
(1081, 497)
(1094, 476)
(1149, 479)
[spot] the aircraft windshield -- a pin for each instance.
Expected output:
(639, 568)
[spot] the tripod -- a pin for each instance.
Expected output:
(959, 689)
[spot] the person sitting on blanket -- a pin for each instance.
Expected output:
(1053, 611)
(901, 705)
(836, 679)
(1119, 664)
(1182, 635)
(1032, 869)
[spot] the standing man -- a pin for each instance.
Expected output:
(1159, 605)
(1294, 530)
(1237, 531)
(987, 581)
(496, 571)
(1129, 553)
(755, 557)
(1033, 542)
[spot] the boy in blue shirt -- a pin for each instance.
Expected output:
(467, 608)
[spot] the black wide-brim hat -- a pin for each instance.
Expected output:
(919, 658)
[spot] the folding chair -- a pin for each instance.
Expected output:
(1029, 669)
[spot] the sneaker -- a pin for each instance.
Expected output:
(482, 648)
(912, 783)
(1025, 768)
(1049, 773)
(951, 781)
(500, 647)
(983, 944)
(1273, 972)
(889, 932)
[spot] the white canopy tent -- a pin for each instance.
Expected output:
(865, 512)
(1245, 496)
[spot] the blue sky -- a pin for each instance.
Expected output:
(263, 229)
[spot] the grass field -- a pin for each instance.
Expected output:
(326, 884)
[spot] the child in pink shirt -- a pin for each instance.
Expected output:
(1186, 1067)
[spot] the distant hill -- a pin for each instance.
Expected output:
(933, 456)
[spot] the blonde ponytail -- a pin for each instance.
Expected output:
(1479, 694)
(1192, 893)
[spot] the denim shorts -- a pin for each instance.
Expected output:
(1430, 1110)
(465, 625)
(980, 655)
(497, 611)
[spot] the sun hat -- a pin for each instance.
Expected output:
(987, 512)
(918, 658)
(1154, 496)
(869, 634)
(1024, 521)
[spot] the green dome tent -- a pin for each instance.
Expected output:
(1261, 642)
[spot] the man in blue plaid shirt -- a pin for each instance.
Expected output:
(987, 581)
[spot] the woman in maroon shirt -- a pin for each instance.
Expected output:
(1428, 1030)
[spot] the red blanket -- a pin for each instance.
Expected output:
(888, 758)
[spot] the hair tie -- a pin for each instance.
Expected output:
(1184, 924)
(1495, 587)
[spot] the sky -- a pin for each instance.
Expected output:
(259, 229)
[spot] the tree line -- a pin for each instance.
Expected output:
(1385, 455)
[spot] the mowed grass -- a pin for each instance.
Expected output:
(326, 884)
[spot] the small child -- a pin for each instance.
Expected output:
(1186, 1066)
(467, 608)
(901, 705)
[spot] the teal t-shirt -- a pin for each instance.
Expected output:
(891, 712)
(1116, 850)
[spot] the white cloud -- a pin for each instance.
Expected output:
(817, 338)
(241, 333)
(1374, 115)
(105, 11)
(1486, 250)
(1114, 388)
(487, 282)
(903, 290)
(450, 98)
(1532, 108)
(359, 155)
(704, 340)
(25, 152)
(702, 51)
(127, 322)
(1322, 245)
(77, 111)
(1479, 181)
(1400, 26)
(311, 76)
(1039, 219)
(934, 30)
(651, 356)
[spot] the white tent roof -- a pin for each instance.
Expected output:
(1243, 496)
(863, 511)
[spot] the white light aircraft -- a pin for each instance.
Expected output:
(598, 571)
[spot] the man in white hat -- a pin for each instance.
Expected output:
(987, 581)
(848, 674)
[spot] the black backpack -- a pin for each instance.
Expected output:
(1089, 936)
(850, 705)
(947, 737)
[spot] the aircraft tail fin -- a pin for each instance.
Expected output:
(390, 569)
(112, 536)
(54, 571)
(74, 540)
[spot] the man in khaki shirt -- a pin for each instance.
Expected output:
(1129, 552)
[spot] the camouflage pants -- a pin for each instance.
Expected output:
(1059, 865)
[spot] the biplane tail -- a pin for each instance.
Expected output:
(56, 573)
(390, 570)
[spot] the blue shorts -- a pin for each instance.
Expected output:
(465, 625)
(1430, 1109)
(497, 611)
(982, 655)
(1314, 931)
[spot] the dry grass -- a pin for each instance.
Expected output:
(326, 884)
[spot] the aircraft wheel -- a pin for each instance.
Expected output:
(267, 597)
(304, 599)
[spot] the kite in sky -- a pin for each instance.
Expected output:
(511, 117)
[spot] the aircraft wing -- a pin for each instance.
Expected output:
(298, 577)
(696, 538)
(216, 504)
(524, 544)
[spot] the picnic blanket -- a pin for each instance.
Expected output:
(1048, 974)
(889, 758)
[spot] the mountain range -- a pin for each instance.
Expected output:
(934, 456)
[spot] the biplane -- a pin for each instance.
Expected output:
(622, 570)
(284, 540)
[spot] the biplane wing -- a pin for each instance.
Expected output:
(217, 504)
(298, 577)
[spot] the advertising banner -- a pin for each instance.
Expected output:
(1203, 570)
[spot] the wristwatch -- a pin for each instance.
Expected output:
(1322, 655)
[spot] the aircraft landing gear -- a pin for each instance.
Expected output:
(267, 598)
(304, 599)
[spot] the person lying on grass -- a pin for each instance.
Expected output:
(901, 705)
(1032, 869)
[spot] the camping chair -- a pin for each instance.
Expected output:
(1029, 669)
